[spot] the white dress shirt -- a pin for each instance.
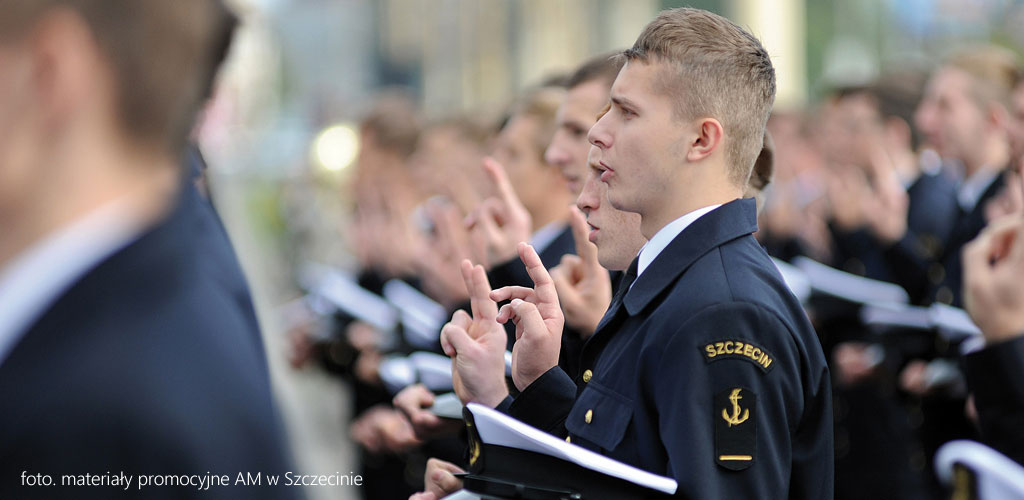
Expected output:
(39, 275)
(546, 235)
(973, 187)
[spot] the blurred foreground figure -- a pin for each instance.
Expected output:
(121, 348)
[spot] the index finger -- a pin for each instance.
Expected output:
(543, 286)
(496, 172)
(581, 233)
(479, 292)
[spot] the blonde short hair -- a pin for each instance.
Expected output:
(541, 105)
(718, 70)
(993, 70)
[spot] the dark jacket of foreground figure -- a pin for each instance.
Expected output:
(148, 364)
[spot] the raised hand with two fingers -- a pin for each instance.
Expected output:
(538, 319)
(477, 344)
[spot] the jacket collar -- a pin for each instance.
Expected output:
(728, 222)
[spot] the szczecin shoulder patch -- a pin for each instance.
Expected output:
(726, 349)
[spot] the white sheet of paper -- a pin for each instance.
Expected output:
(397, 372)
(844, 285)
(447, 405)
(499, 429)
(433, 370)
(420, 315)
(358, 302)
(462, 495)
(896, 315)
(953, 320)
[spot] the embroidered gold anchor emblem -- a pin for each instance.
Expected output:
(735, 418)
(474, 444)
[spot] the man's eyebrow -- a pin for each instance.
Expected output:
(573, 123)
(623, 102)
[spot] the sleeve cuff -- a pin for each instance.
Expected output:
(996, 374)
(505, 404)
(546, 402)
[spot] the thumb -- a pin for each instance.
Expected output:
(454, 340)
(581, 233)
(567, 293)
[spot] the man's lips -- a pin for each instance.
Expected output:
(608, 172)
(593, 232)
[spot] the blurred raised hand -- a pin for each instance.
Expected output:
(584, 287)
(414, 402)
(439, 263)
(1009, 201)
(993, 288)
(499, 223)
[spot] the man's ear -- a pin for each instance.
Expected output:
(997, 116)
(709, 137)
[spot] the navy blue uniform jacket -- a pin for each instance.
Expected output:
(996, 377)
(146, 365)
(707, 371)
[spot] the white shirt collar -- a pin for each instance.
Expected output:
(546, 235)
(665, 235)
(973, 187)
(38, 276)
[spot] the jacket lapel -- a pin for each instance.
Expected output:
(728, 222)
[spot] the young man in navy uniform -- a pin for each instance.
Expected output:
(705, 368)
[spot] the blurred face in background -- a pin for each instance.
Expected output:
(17, 124)
(447, 164)
(518, 148)
(851, 128)
(949, 119)
(569, 146)
(1015, 124)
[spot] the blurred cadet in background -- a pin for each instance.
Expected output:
(963, 115)
(994, 295)
(793, 221)
(876, 176)
(120, 348)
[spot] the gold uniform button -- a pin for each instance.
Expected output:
(589, 416)
(936, 273)
(587, 375)
(568, 439)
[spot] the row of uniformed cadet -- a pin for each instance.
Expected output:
(663, 383)
(616, 384)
